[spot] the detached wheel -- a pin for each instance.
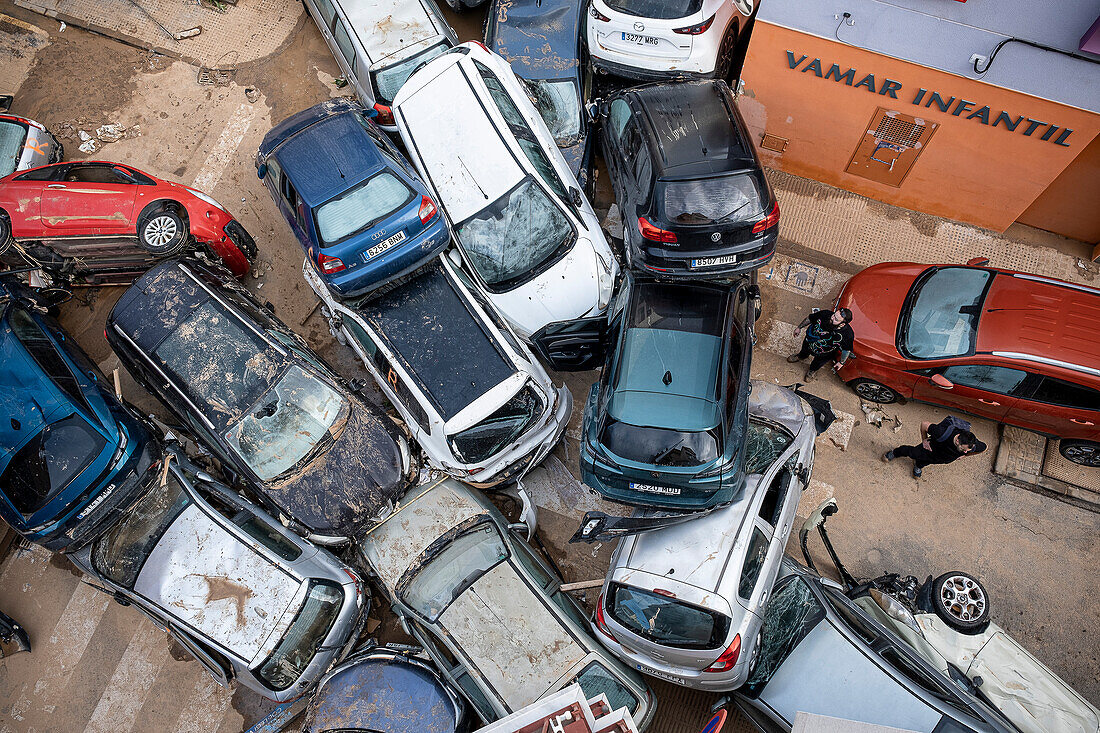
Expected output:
(161, 233)
(873, 391)
(961, 601)
(1081, 452)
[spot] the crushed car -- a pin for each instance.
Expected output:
(26, 144)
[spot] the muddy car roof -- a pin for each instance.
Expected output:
(540, 38)
(698, 131)
(167, 293)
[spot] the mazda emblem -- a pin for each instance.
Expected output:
(656, 474)
(639, 27)
(715, 237)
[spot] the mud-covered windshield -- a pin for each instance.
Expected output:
(453, 569)
(120, 553)
(286, 423)
(789, 616)
(42, 468)
(514, 235)
(941, 317)
(726, 199)
(559, 104)
(303, 638)
(763, 445)
(497, 431)
(390, 79)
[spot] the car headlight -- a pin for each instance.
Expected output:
(606, 283)
(208, 199)
(894, 609)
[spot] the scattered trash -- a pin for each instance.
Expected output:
(372, 624)
(340, 82)
(62, 28)
(216, 77)
(189, 33)
(613, 222)
(109, 133)
(89, 146)
(897, 424)
(875, 415)
(252, 94)
(84, 135)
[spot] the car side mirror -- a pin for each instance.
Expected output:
(405, 626)
(938, 380)
(575, 196)
(978, 261)
(261, 171)
(454, 257)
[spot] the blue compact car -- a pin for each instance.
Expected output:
(71, 456)
(362, 215)
(665, 425)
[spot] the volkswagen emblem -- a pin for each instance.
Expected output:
(639, 27)
(715, 237)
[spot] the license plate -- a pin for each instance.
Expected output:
(384, 245)
(713, 261)
(667, 490)
(641, 40)
(658, 673)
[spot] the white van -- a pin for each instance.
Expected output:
(527, 236)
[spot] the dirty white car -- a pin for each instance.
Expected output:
(245, 597)
(484, 418)
(529, 238)
(490, 613)
(684, 603)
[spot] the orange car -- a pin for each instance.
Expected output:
(1016, 348)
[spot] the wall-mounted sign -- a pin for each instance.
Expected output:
(952, 105)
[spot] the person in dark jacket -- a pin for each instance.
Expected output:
(943, 442)
(827, 332)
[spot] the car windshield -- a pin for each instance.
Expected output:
(454, 568)
(725, 199)
(368, 203)
(763, 445)
(218, 360)
(657, 9)
(388, 80)
(121, 551)
(497, 431)
(12, 136)
(596, 679)
(559, 103)
(943, 308)
(667, 621)
(286, 424)
(49, 461)
(659, 446)
(515, 235)
(789, 616)
(304, 637)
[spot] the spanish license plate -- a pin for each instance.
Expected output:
(666, 490)
(659, 674)
(384, 245)
(641, 40)
(713, 261)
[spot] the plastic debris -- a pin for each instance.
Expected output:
(897, 424)
(875, 415)
(62, 28)
(84, 135)
(110, 133)
(340, 82)
(252, 94)
(613, 222)
(89, 146)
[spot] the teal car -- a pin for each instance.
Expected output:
(665, 425)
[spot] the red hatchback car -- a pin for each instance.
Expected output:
(108, 222)
(1012, 347)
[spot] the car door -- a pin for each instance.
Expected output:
(983, 389)
(214, 663)
(90, 199)
(618, 115)
(453, 669)
(21, 198)
(1059, 407)
(340, 42)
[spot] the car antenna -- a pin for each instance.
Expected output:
(667, 379)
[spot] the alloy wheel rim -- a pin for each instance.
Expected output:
(875, 392)
(1085, 455)
(160, 231)
(963, 598)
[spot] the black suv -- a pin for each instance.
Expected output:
(281, 423)
(691, 189)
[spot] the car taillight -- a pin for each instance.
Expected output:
(694, 30)
(601, 622)
(768, 221)
(358, 584)
(385, 114)
(654, 234)
(330, 265)
(480, 45)
(427, 210)
(728, 659)
(663, 592)
(598, 15)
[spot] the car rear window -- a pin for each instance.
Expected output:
(667, 621)
(452, 569)
(389, 80)
(662, 9)
(1067, 394)
(42, 468)
(660, 446)
(12, 136)
(678, 308)
(368, 203)
(722, 200)
(940, 318)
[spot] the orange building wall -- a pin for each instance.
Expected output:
(1071, 205)
(969, 171)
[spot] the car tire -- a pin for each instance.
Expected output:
(5, 233)
(961, 601)
(723, 60)
(873, 391)
(1081, 452)
(161, 232)
(755, 658)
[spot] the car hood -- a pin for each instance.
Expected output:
(875, 297)
(512, 638)
(780, 405)
(349, 486)
(569, 289)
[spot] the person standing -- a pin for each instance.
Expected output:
(943, 442)
(827, 332)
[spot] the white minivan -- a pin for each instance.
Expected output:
(526, 234)
(379, 43)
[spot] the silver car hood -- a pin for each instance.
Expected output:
(777, 404)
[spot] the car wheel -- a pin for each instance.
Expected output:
(5, 233)
(162, 232)
(873, 391)
(1081, 452)
(755, 658)
(961, 601)
(724, 59)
